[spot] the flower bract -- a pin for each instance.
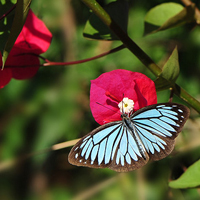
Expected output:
(34, 38)
(109, 89)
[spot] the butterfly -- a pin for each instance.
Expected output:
(126, 145)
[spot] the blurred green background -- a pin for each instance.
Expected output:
(53, 107)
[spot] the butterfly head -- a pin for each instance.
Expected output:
(126, 107)
(124, 116)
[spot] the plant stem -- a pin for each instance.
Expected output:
(137, 51)
(186, 2)
(127, 41)
(181, 93)
(197, 12)
(50, 63)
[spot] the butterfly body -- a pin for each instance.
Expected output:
(127, 145)
(131, 128)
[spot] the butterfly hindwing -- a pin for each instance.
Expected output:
(158, 125)
(127, 155)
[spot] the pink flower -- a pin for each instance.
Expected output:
(109, 89)
(34, 38)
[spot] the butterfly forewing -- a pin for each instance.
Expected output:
(121, 148)
(98, 147)
(158, 125)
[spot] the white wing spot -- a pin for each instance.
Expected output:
(80, 160)
(76, 155)
(174, 106)
(180, 110)
(181, 121)
(76, 149)
(182, 116)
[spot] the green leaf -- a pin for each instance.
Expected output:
(169, 73)
(168, 15)
(96, 29)
(189, 179)
(161, 13)
(21, 12)
(6, 22)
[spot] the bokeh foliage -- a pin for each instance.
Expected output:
(53, 107)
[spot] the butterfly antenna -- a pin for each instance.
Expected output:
(107, 108)
(123, 105)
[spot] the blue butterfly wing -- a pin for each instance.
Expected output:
(111, 145)
(158, 125)
(128, 155)
(94, 150)
(115, 146)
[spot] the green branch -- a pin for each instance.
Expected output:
(181, 93)
(127, 41)
(137, 51)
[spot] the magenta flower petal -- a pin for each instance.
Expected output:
(110, 88)
(17, 59)
(24, 73)
(34, 37)
(21, 73)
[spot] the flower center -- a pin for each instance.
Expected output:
(126, 105)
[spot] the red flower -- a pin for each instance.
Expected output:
(34, 38)
(109, 89)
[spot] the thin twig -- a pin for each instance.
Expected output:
(87, 59)
(64, 145)
(9, 11)
(13, 162)
(50, 63)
